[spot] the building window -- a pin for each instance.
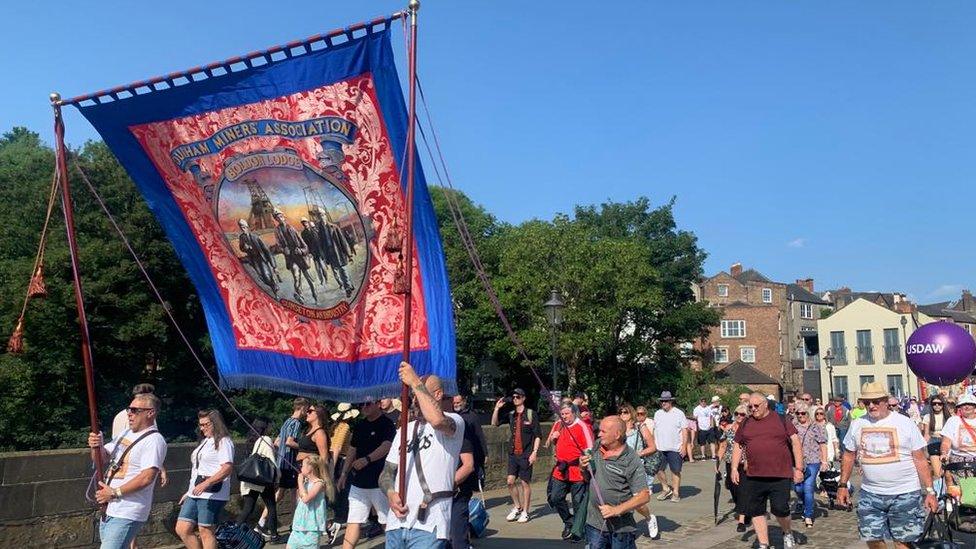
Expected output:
(723, 290)
(865, 351)
(747, 354)
(861, 380)
(767, 295)
(721, 355)
(806, 310)
(838, 349)
(733, 328)
(840, 386)
(895, 385)
(892, 349)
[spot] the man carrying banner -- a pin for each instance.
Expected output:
(433, 450)
(293, 248)
(135, 458)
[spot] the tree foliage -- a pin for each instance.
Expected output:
(624, 269)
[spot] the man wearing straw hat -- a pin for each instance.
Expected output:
(894, 471)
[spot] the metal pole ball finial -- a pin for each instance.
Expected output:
(55, 98)
(413, 5)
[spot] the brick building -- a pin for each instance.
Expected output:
(764, 323)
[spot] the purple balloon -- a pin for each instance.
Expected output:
(941, 353)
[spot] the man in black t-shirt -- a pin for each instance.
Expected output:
(465, 483)
(526, 434)
(371, 440)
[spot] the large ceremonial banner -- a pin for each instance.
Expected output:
(279, 185)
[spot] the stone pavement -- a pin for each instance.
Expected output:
(688, 522)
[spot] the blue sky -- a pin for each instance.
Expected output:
(824, 139)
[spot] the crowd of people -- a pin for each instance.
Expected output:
(344, 473)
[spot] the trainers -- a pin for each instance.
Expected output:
(740, 528)
(675, 497)
(334, 532)
(523, 516)
(788, 542)
(652, 529)
(665, 494)
(514, 514)
(567, 531)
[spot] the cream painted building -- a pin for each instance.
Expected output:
(866, 342)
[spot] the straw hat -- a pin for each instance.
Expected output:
(872, 390)
(345, 411)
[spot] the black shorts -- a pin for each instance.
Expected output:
(759, 490)
(706, 437)
(518, 467)
(289, 477)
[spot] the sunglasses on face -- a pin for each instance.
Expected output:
(204, 424)
(134, 410)
(806, 399)
(936, 404)
(642, 413)
(741, 414)
(517, 396)
(624, 413)
(820, 413)
(801, 413)
(875, 401)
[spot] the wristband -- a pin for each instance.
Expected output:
(117, 492)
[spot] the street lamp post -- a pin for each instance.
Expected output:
(554, 313)
(904, 350)
(828, 358)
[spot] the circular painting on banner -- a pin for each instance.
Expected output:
(297, 233)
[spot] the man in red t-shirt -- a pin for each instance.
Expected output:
(572, 437)
(774, 462)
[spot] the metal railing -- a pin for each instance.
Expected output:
(865, 355)
(892, 354)
(840, 356)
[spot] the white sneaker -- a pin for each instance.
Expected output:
(334, 532)
(514, 514)
(523, 516)
(788, 542)
(652, 529)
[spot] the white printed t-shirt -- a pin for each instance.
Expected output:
(439, 454)
(667, 429)
(884, 448)
(150, 452)
(704, 415)
(963, 442)
(210, 461)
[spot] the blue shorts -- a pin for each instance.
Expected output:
(118, 533)
(202, 512)
(899, 518)
(671, 460)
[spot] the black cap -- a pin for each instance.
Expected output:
(518, 391)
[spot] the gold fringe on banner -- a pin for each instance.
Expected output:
(37, 288)
(16, 343)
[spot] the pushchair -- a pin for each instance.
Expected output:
(961, 498)
(829, 483)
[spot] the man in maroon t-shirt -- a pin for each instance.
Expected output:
(771, 445)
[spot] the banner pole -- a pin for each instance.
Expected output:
(69, 222)
(412, 7)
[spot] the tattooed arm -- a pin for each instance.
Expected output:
(429, 404)
(386, 484)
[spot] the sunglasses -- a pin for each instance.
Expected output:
(936, 404)
(875, 401)
(806, 399)
(136, 410)
(801, 413)
(642, 413)
(205, 424)
(518, 396)
(741, 414)
(624, 413)
(820, 413)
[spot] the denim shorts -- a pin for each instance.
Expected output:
(118, 533)
(671, 460)
(202, 512)
(900, 517)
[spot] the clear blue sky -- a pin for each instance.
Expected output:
(826, 139)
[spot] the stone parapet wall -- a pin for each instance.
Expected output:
(43, 504)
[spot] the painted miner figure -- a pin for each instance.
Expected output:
(258, 255)
(331, 254)
(311, 237)
(292, 246)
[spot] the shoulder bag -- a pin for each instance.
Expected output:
(213, 488)
(257, 469)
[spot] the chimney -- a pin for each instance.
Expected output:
(805, 283)
(736, 269)
(905, 307)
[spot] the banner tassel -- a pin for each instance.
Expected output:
(37, 288)
(16, 344)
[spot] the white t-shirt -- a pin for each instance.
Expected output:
(939, 423)
(963, 442)
(210, 460)
(884, 448)
(439, 456)
(667, 429)
(150, 452)
(704, 415)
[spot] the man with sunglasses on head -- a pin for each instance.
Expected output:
(894, 471)
(526, 434)
(134, 459)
